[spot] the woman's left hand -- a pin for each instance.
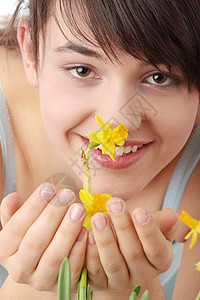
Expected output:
(129, 249)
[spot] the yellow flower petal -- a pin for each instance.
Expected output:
(189, 221)
(96, 203)
(86, 197)
(198, 266)
(87, 222)
(194, 238)
(100, 121)
(120, 143)
(119, 133)
(108, 137)
(188, 235)
(112, 151)
(193, 224)
(96, 137)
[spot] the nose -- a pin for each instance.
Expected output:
(119, 108)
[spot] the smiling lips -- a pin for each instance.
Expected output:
(127, 155)
(124, 150)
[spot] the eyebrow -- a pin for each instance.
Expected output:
(75, 48)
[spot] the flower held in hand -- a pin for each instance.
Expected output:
(93, 204)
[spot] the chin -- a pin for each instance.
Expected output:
(116, 189)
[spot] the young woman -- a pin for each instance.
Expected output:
(130, 62)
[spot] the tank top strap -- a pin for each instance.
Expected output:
(7, 148)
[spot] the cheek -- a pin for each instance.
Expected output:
(58, 110)
(175, 123)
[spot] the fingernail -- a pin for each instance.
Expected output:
(81, 234)
(76, 212)
(141, 216)
(67, 197)
(101, 223)
(116, 206)
(47, 191)
(91, 239)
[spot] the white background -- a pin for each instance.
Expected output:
(7, 6)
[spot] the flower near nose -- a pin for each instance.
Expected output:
(93, 204)
(108, 137)
(193, 224)
(198, 266)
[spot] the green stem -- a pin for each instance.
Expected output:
(91, 145)
(82, 285)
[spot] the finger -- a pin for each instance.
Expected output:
(78, 251)
(9, 205)
(114, 265)
(129, 243)
(14, 231)
(167, 221)
(60, 246)
(39, 236)
(156, 247)
(96, 275)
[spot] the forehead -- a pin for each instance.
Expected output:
(61, 37)
(62, 27)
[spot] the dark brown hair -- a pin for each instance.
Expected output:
(161, 31)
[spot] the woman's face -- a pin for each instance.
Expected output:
(78, 82)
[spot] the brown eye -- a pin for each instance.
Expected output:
(82, 72)
(159, 79)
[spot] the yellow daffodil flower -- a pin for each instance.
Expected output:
(93, 204)
(193, 224)
(198, 266)
(108, 137)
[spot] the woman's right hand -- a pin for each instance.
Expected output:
(39, 234)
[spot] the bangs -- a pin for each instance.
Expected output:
(156, 30)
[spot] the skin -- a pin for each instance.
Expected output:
(59, 94)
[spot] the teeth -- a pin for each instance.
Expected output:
(134, 148)
(127, 149)
(123, 150)
(119, 151)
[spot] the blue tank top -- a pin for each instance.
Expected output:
(7, 148)
(8, 156)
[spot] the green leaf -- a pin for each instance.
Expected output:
(64, 281)
(137, 289)
(145, 295)
(133, 296)
(82, 285)
(198, 296)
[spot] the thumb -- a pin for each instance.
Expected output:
(9, 205)
(167, 220)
